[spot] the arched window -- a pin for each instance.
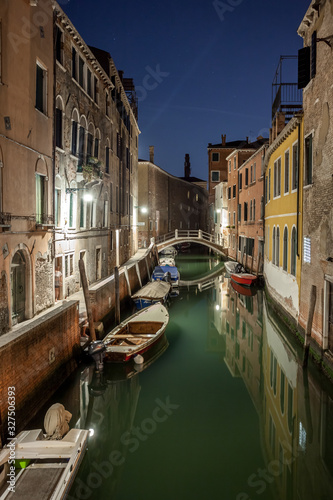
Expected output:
(75, 128)
(72, 207)
(293, 251)
(285, 249)
(277, 251)
(59, 122)
(273, 246)
(82, 140)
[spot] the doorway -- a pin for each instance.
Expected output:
(18, 287)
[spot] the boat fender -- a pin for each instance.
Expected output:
(56, 421)
(138, 359)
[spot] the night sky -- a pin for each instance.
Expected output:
(201, 68)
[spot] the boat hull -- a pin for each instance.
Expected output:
(244, 279)
(137, 334)
(243, 290)
(150, 294)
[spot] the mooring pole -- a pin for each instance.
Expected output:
(117, 295)
(87, 299)
(313, 296)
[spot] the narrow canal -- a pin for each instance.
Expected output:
(223, 409)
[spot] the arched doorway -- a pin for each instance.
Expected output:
(18, 287)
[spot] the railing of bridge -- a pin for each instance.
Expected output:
(191, 233)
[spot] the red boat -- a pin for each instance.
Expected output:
(245, 279)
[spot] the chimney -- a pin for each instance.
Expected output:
(224, 137)
(247, 140)
(151, 154)
(187, 166)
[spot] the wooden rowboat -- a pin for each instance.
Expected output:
(42, 469)
(151, 293)
(136, 334)
(245, 279)
(243, 290)
(232, 266)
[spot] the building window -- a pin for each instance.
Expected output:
(89, 145)
(245, 211)
(83, 212)
(40, 198)
(74, 138)
(229, 166)
(308, 160)
(58, 131)
(240, 181)
(93, 214)
(234, 218)
(41, 86)
(234, 191)
(95, 90)
(117, 199)
(254, 210)
(215, 156)
(74, 63)
(277, 251)
(277, 178)
(107, 159)
(215, 176)
(89, 86)
(57, 208)
(111, 196)
(82, 134)
(105, 211)
(234, 162)
(269, 185)
(254, 171)
(293, 251)
(246, 177)
(81, 72)
(251, 210)
(71, 221)
(285, 249)
(266, 189)
(96, 147)
(69, 265)
(229, 193)
(273, 246)
(286, 172)
(239, 212)
(294, 182)
(59, 45)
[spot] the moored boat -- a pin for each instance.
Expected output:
(35, 467)
(166, 260)
(231, 266)
(155, 291)
(166, 273)
(245, 279)
(169, 251)
(136, 334)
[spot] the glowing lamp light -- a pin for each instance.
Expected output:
(87, 197)
(217, 307)
(91, 432)
(144, 210)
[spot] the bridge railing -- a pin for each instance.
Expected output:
(191, 233)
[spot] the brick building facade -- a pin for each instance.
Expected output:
(316, 29)
(166, 203)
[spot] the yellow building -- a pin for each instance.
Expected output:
(283, 215)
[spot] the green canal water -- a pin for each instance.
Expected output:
(221, 410)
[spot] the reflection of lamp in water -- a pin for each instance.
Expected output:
(91, 432)
(143, 210)
(217, 307)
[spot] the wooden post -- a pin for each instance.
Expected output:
(313, 296)
(87, 299)
(117, 295)
(259, 264)
(156, 255)
(252, 262)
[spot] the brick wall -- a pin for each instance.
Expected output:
(36, 359)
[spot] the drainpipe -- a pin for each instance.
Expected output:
(298, 177)
(53, 250)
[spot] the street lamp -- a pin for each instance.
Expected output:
(86, 196)
(143, 210)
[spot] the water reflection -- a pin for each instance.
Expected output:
(226, 411)
(294, 406)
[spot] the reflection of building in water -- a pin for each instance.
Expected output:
(218, 304)
(297, 421)
(279, 405)
(230, 324)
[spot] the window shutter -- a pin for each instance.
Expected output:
(303, 67)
